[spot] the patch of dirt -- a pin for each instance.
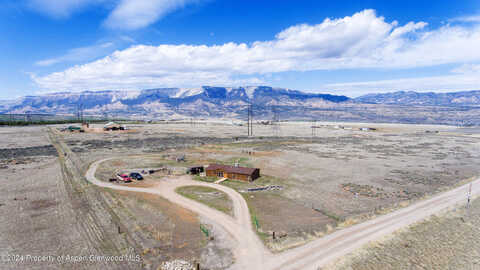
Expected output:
(285, 217)
(4, 164)
(448, 241)
(152, 144)
(42, 204)
(208, 196)
(15, 153)
(364, 190)
(165, 230)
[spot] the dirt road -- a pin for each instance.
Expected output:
(324, 250)
(250, 252)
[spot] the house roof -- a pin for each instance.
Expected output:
(111, 124)
(231, 169)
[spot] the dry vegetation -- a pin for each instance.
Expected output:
(209, 196)
(335, 179)
(165, 231)
(338, 178)
(446, 241)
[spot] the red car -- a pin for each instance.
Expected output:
(124, 178)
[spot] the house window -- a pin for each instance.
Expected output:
(220, 174)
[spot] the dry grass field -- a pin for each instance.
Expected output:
(336, 178)
(445, 241)
(209, 196)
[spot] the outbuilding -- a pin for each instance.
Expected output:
(232, 172)
(195, 170)
(113, 126)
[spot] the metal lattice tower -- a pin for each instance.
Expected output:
(275, 122)
(250, 120)
(314, 128)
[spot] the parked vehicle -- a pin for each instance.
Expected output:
(124, 178)
(136, 176)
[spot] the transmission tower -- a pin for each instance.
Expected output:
(80, 112)
(275, 122)
(250, 120)
(314, 128)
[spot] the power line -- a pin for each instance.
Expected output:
(275, 122)
(250, 120)
(314, 128)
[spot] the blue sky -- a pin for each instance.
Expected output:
(340, 47)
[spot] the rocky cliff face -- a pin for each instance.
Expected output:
(457, 108)
(204, 101)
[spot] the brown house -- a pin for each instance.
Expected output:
(233, 172)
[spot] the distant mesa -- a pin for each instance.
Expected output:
(457, 108)
(166, 100)
(464, 98)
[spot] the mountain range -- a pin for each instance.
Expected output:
(232, 102)
(167, 102)
(464, 98)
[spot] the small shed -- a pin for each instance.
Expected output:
(195, 170)
(367, 129)
(233, 172)
(113, 126)
(74, 128)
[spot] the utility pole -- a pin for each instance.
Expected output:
(28, 116)
(314, 128)
(79, 112)
(275, 120)
(250, 120)
(469, 196)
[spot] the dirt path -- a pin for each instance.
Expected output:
(324, 250)
(249, 250)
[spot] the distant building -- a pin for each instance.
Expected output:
(195, 170)
(232, 172)
(73, 129)
(367, 129)
(113, 126)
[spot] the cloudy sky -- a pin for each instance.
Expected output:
(342, 47)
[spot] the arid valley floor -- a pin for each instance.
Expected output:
(325, 182)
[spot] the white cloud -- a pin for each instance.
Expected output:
(363, 40)
(125, 14)
(61, 8)
(79, 54)
(468, 69)
(473, 18)
(128, 39)
(134, 14)
(409, 27)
